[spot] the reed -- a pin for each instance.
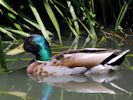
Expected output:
(78, 15)
(2, 57)
(121, 15)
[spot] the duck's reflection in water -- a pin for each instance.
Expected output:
(81, 83)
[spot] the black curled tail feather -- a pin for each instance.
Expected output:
(115, 59)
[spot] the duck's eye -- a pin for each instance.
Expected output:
(32, 42)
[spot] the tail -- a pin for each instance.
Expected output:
(115, 59)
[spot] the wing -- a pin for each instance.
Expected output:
(87, 57)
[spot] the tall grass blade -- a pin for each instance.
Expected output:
(71, 28)
(121, 15)
(74, 17)
(91, 23)
(75, 43)
(3, 3)
(85, 27)
(53, 19)
(101, 42)
(58, 3)
(58, 9)
(31, 22)
(9, 46)
(92, 5)
(88, 31)
(87, 40)
(3, 30)
(17, 25)
(2, 57)
(130, 55)
(69, 21)
(39, 21)
(22, 33)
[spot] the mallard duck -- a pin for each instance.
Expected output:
(80, 61)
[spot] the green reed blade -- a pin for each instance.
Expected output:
(53, 19)
(22, 33)
(69, 22)
(3, 3)
(13, 17)
(58, 9)
(29, 20)
(74, 17)
(75, 43)
(92, 5)
(2, 57)
(130, 55)
(55, 2)
(121, 15)
(39, 21)
(3, 30)
(85, 27)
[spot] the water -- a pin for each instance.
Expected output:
(17, 85)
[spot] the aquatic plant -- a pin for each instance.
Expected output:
(27, 23)
(2, 58)
(121, 15)
(77, 15)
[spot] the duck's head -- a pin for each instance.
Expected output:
(38, 45)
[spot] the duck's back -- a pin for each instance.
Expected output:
(87, 57)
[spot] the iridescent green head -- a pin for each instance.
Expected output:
(38, 45)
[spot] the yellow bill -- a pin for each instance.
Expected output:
(16, 50)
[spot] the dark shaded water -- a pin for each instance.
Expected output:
(18, 85)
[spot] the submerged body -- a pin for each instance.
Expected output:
(69, 62)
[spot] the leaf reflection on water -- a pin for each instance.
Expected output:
(15, 93)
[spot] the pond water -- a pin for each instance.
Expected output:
(18, 85)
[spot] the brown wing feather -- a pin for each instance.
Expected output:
(87, 57)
